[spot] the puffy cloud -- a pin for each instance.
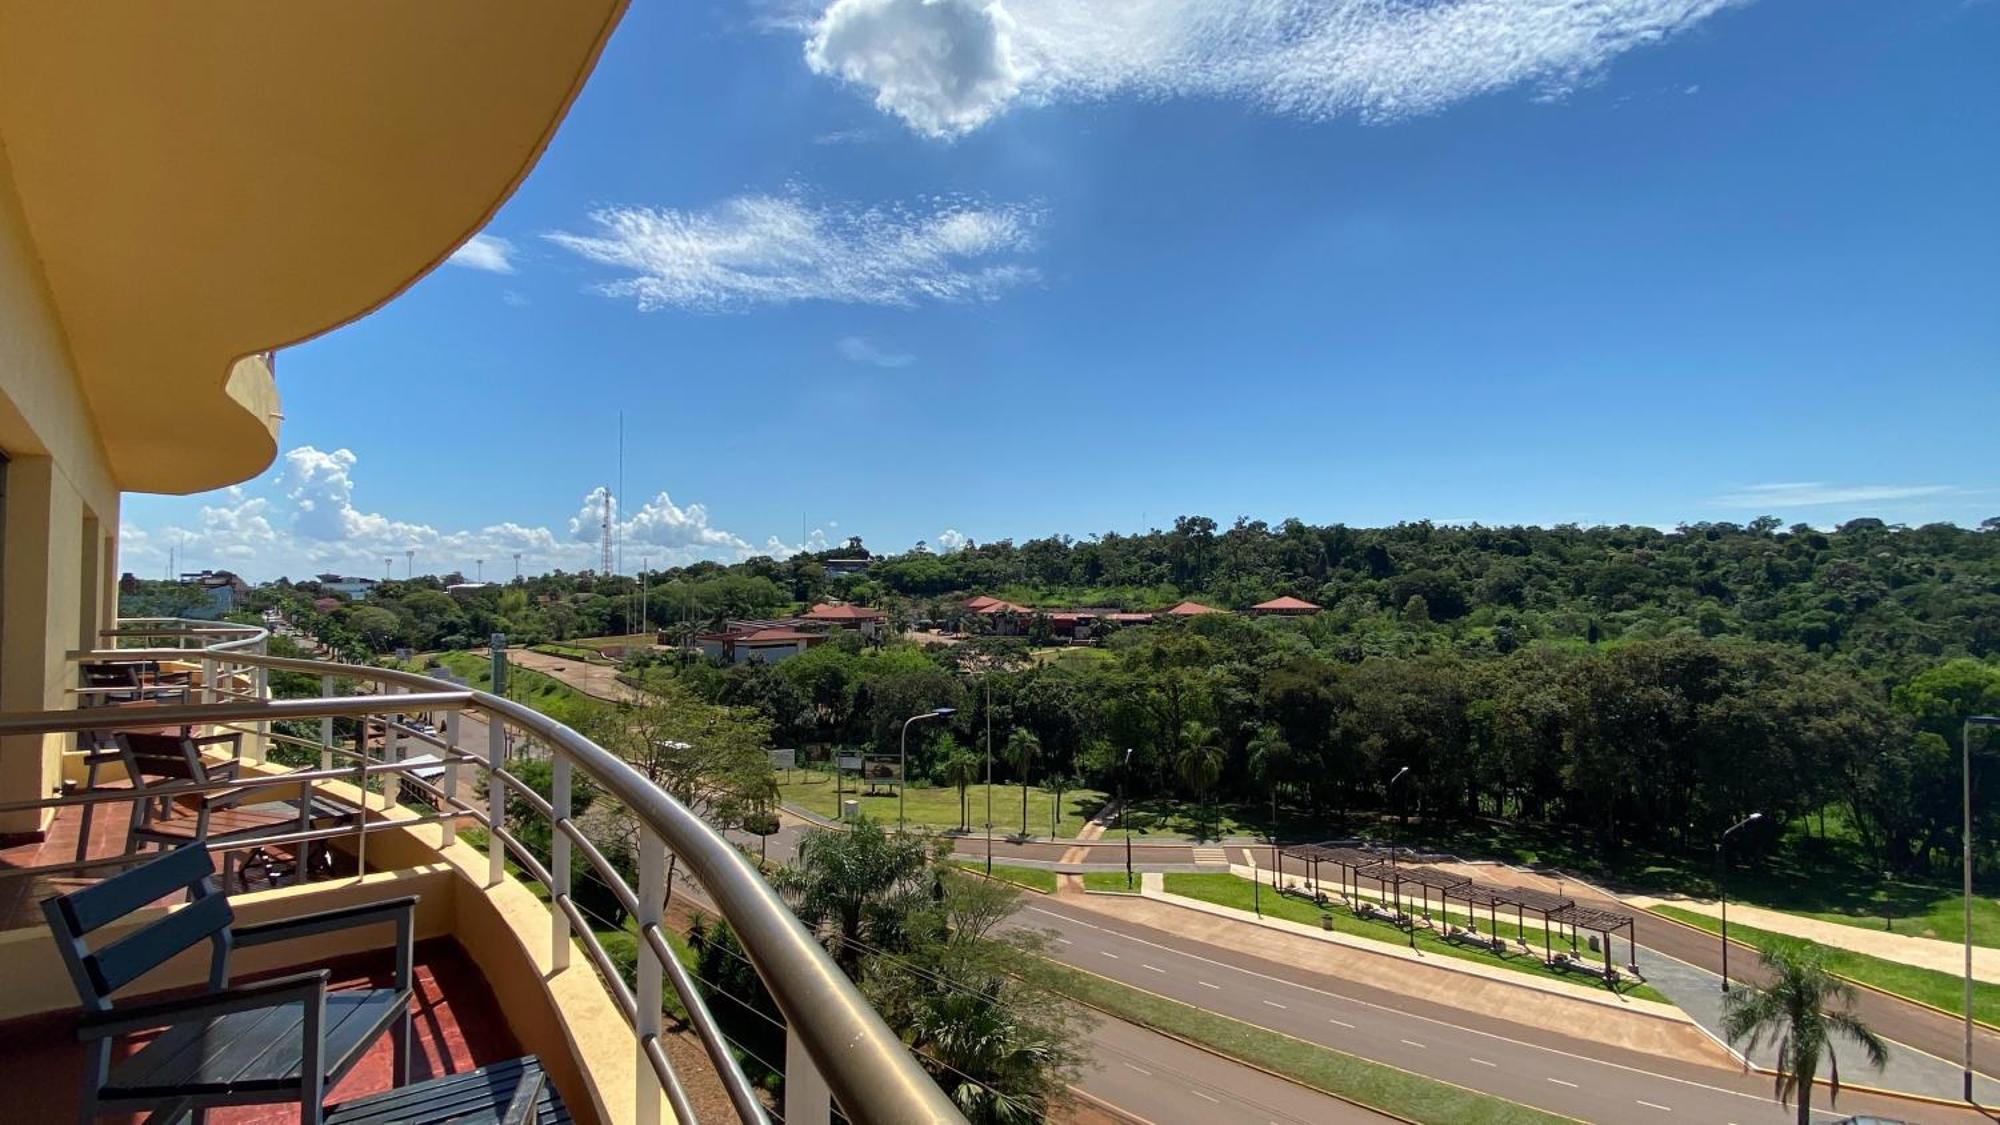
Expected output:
(763, 249)
(950, 540)
(305, 522)
(862, 350)
(485, 252)
(946, 67)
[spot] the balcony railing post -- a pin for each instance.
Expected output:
(496, 799)
(394, 749)
(448, 828)
(326, 726)
(808, 1101)
(208, 693)
(652, 892)
(361, 783)
(559, 848)
(260, 744)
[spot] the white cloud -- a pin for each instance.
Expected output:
(947, 67)
(763, 249)
(860, 349)
(302, 519)
(949, 540)
(485, 252)
(1810, 493)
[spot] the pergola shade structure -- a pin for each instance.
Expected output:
(1357, 864)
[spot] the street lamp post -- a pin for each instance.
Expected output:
(1722, 885)
(903, 759)
(1389, 789)
(986, 678)
(1125, 815)
(1965, 766)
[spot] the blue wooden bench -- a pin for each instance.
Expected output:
(515, 1092)
(276, 1041)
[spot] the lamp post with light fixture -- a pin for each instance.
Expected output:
(903, 759)
(1722, 885)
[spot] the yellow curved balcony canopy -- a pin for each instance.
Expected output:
(206, 180)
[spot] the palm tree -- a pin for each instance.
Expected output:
(1201, 758)
(960, 768)
(1793, 1010)
(1022, 750)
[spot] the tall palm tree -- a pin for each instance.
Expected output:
(1201, 758)
(1022, 750)
(1793, 1010)
(960, 769)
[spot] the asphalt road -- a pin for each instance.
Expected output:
(1561, 1074)
(1165, 1081)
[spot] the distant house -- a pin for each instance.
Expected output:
(1191, 609)
(766, 645)
(1004, 619)
(1284, 607)
(868, 622)
(224, 589)
(841, 568)
(466, 589)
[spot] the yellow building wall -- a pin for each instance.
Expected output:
(54, 591)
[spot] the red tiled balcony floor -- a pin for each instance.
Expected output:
(457, 1026)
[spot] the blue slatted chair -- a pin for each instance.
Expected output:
(276, 1041)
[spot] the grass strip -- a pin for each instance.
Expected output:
(1384, 1087)
(1235, 891)
(1033, 878)
(1927, 986)
(1111, 881)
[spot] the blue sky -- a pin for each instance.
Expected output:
(1007, 268)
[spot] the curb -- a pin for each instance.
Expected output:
(1115, 1111)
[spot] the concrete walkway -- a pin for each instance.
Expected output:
(599, 680)
(1698, 992)
(1925, 953)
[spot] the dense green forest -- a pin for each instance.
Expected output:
(1641, 686)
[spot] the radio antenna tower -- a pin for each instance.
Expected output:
(604, 567)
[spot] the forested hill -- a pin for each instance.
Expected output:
(1886, 595)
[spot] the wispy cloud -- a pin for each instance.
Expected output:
(485, 252)
(946, 67)
(764, 249)
(860, 349)
(1804, 494)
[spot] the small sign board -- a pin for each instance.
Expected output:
(784, 759)
(849, 762)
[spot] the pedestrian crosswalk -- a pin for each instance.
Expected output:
(1211, 857)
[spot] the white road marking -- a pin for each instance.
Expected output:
(1274, 1003)
(1109, 954)
(1560, 1082)
(1413, 1015)
(1654, 1105)
(1341, 1023)
(1210, 1097)
(1480, 1061)
(1064, 941)
(1155, 968)
(1411, 1043)
(1141, 1070)
(1205, 984)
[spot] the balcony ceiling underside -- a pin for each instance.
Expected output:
(208, 179)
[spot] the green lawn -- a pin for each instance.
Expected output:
(1941, 990)
(1113, 881)
(545, 694)
(936, 808)
(1033, 878)
(1234, 891)
(1370, 1083)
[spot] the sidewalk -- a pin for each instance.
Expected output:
(1547, 1005)
(1924, 953)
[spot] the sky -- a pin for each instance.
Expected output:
(951, 270)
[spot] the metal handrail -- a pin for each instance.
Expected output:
(865, 1065)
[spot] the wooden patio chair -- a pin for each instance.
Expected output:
(239, 817)
(286, 1040)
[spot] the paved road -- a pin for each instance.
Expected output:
(1166, 1081)
(600, 680)
(1561, 1074)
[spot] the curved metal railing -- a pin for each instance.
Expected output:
(845, 1044)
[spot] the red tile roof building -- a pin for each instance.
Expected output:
(1285, 607)
(1191, 609)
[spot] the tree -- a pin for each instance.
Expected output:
(1793, 1010)
(959, 768)
(1022, 750)
(1201, 758)
(856, 888)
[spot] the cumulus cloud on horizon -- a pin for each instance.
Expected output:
(778, 249)
(948, 67)
(306, 521)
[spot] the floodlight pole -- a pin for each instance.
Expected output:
(1124, 815)
(903, 759)
(1389, 790)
